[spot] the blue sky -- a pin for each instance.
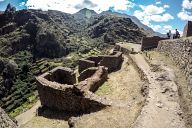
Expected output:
(161, 15)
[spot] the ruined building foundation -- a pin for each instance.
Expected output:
(59, 90)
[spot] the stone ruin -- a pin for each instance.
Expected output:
(148, 43)
(6, 121)
(111, 61)
(59, 90)
(188, 29)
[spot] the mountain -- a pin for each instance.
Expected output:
(148, 30)
(85, 13)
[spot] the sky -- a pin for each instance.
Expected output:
(160, 15)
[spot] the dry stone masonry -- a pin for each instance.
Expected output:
(111, 61)
(58, 88)
(148, 43)
(181, 52)
(71, 97)
(5, 121)
(188, 29)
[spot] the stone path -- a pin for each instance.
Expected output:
(162, 109)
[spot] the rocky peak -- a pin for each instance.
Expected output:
(86, 13)
(10, 11)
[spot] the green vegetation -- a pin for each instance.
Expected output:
(104, 89)
(25, 106)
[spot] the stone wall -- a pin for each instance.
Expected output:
(188, 29)
(87, 73)
(148, 43)
(95, 59)
(5, 121)
(95, 81)
(112, 62)
(74, 97)
(180, 50)
(61, 75)
(85, 64)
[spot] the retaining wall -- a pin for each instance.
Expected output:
(180, 50)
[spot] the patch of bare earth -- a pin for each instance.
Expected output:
(42, 122)
(123, 88)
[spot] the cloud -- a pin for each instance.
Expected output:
(158, 2)
(185, 13)
(22, 4)
(161, 18)
(187, 4)
(166, 6)
(166, 29)
(86, 3)
(72, 6)
(152, 9)
(153, 13)
(156, 27)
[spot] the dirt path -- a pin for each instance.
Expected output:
(28, 115)
(123, 89)
(162, 109)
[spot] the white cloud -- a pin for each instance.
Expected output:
(185, 14)
(187, 4)
(161, 18)
(153, 13)
(152, 9)
(166, 29)
(158, 2)
(72, 6)
(155, 27)
(22, 4)
(166, 6)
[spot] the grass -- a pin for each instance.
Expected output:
(25, 106)
(104, 89)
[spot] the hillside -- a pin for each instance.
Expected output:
(144, 28)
